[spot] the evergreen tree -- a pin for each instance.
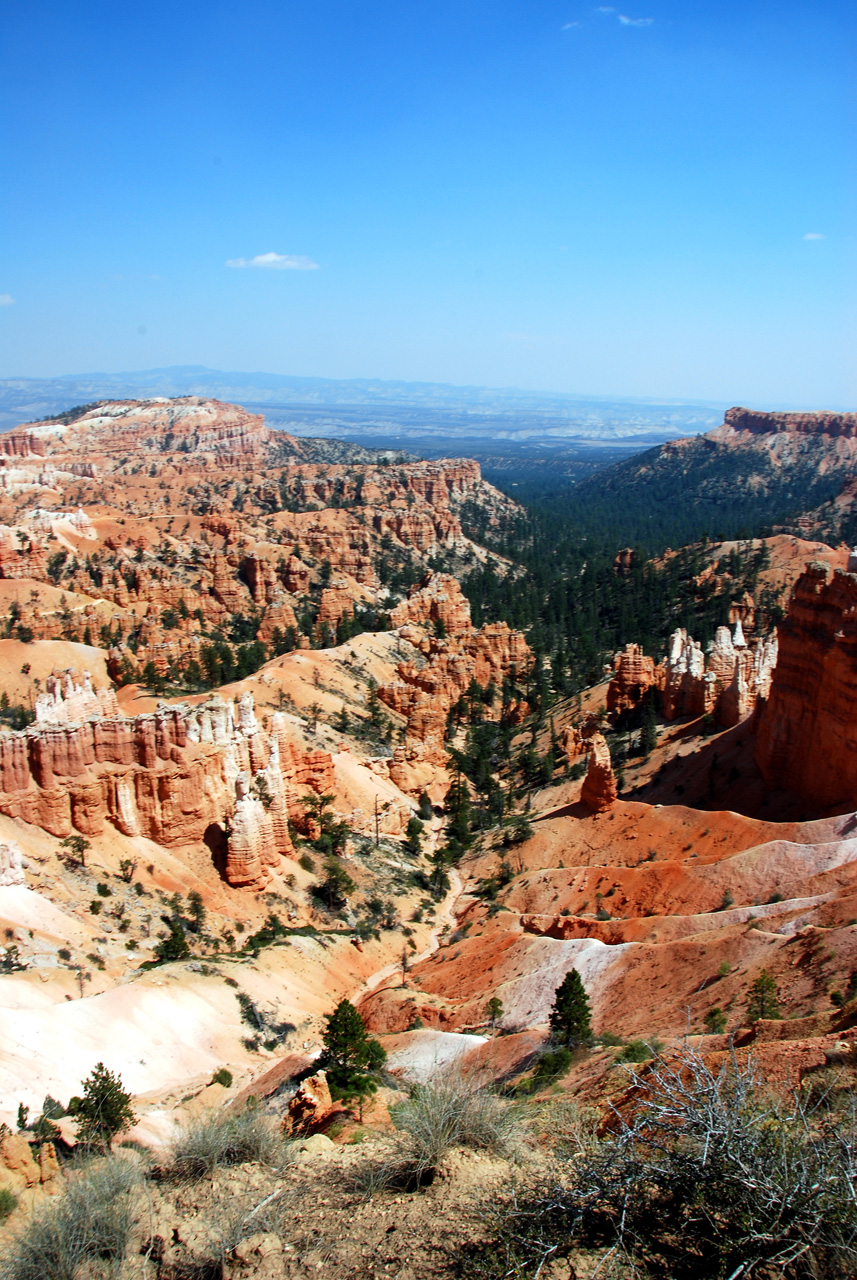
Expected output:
(764, 1001)
(649, 731)
(104, 1110)
(425, 809)
(569, 1019)
(414, 834)
(173, 947)
(494, 1011)
(196, 910)
(351, 1057)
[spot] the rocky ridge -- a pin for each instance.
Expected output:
(199, 512)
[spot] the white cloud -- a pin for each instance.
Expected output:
(6, 299)
(276, 262)
(605, 8)
(814, 235)
(568, 25)
(635, 22)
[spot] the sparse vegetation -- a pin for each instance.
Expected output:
(86, 1232)
(225, 1137)
(709, 1177)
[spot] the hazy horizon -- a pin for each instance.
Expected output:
(651, 203)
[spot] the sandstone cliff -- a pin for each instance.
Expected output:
(807, 736)
(425, 693)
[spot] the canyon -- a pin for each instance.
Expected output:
(242, 675)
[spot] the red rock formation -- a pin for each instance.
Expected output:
(20, 444)
(759, 423)
(599, 786)
(807, 736)
(635, 676)
(167, 776)
(623, 561)
(726, 685)
(309, 1108)
(336, 603)
(425, 694)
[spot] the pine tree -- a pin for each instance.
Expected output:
(649, 731)
(351, 1058)
(494, 1011)
(764, 1001)
(173, 947)
(569, 1019)
(104, 1110)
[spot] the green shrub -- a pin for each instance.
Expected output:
(8, 1203)
(222, 1076)
(640, 1051)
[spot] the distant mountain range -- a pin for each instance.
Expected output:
(426, 416)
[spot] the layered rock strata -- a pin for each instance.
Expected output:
(807, 738)
(599, 789)
(435, 619)
(169, 776)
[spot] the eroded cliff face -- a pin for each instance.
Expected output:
(762, 423)
(436, 620)
(161, 520)
(807, 736)
(170, 776)
(726, 682)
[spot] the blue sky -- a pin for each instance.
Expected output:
(607, 200)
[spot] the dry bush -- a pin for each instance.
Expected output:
(452, 1110)
(226, 1137)
(711, 1177)
(570, 1127)
(86, 1231)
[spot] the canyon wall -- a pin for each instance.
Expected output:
(171, 776)
(807, 737)
(761, 423)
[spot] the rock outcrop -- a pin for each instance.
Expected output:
(168, 776)
(807, 738)
(726, 683)
(436, 620)
(635, 676)
(761, 423)
(65, 701)
(599, 791)
(11, 865)
(310, 1107)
